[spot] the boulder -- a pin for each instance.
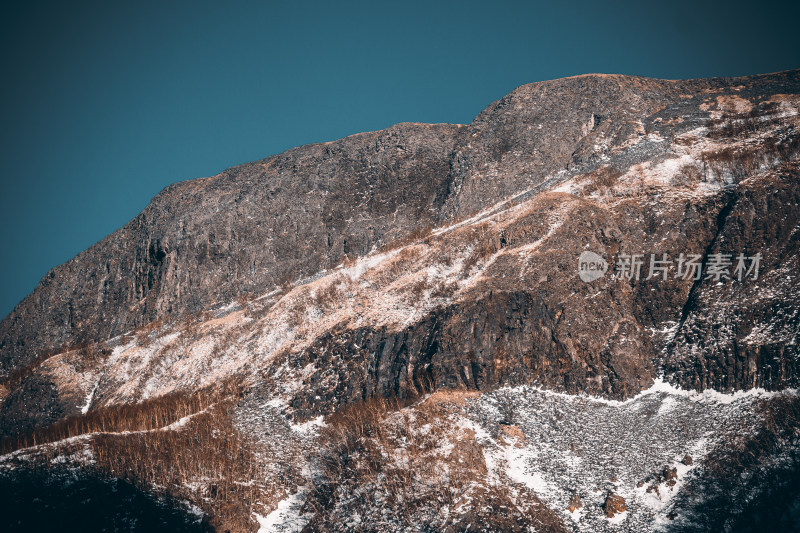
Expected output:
(614, 504)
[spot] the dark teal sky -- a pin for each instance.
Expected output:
(104, 103)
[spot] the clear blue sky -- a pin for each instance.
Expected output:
(105, 103)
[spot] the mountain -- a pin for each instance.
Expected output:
(460, 327)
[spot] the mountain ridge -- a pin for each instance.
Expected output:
(461, 190)
(445, 325)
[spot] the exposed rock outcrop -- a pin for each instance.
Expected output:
(614, 504)
(611, 164)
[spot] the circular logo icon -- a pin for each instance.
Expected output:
(591, 266)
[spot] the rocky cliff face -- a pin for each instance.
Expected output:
(298, 213)
(429, 257)
(244, 231)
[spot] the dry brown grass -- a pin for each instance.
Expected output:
(207, 462)
(416, 290)
(403, 465)
(738, 162)
(419, 234)
(403, 263)
(515, 434)
(485, 242)
(602, 179)
(380, 448)
(687, 176)
(147, 415)
(444, 289)
(145, 334)
(296, 312)
(731, 124)
(330, 296)
(87, 352)
(444, 397)
(285, 282)
(741, 162)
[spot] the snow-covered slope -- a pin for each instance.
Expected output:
(464, 375)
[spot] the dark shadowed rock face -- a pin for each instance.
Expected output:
(745, 335)
(63, 501)
(207, 241)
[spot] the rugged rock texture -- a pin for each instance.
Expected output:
(613, 164)
(243, 231)
(431, 259)
(614, 504)
(291, 215)
(745, 335)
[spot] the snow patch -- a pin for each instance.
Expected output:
(287, 517)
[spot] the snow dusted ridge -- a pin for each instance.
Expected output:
(238, 338)
(287, 516)
(396, 289)
(534, 443)
(662, 387)
(578, 445)
(483, 303)
(652, 450)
